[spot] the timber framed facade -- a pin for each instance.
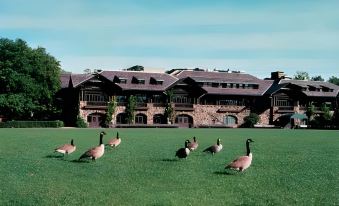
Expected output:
(199, 98)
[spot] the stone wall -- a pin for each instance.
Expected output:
(85, 112)
(214, 114)
(202, 114)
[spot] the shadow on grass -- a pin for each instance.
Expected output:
(225, 172)
(55, 156)
(169, 160)
(81, 161)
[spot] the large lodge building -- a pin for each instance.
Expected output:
(199, 98)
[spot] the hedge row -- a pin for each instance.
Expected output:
(31, 124)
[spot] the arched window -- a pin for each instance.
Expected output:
(140, 119)
(159, 119)
(121, 118)
(230, 120)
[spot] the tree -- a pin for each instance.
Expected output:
(317, 78)
(300, 75)
(110, 111)
(29, 79)
(169, 111)
(310, 111)
(334, 80)
(136, 68)
(251, 120)
(130, 109)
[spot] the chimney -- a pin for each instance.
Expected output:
(277, 75)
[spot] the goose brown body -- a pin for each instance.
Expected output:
(66, 148)
(95, 152)
(214, 148)
(115, 141)
(243, 162)
(193, 145)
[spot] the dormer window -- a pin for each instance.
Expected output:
(156, 81)
(215, 84)
(136, 80)
(123, 80)
(120, 80)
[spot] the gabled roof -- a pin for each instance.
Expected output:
(73, 80)
(223, 77)
(239, 77)
(315, 84)
(168, 80)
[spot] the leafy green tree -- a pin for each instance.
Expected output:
(136, 68)
(334, 80)
(29, 79)
(310, 111)
(130, 109)
(300, 75)
(169, 111)
(251, 120)
(110, 111)
(317, 78)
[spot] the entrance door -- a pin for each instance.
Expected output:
(94, 120)
(184, 121)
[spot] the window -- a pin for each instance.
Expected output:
(232, 102)
(230, 120)
(135, 80)
(123, 81)
(141, 98)
(215, 84)
(94, 96)
(156, 81)
(141, 119)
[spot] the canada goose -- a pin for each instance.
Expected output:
(95, 152)
(243, 162)
(115, 141)
(183, 152)
(193, 145)
(214, 148)
(66, 148)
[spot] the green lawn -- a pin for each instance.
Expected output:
(290, 167)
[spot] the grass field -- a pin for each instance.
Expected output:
(290, 167)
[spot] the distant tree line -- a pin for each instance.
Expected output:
(301, 75)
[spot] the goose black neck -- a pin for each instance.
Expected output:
(117, 135)
(248, 148)
(72, 143)
(186, 144)
(218, 142)
(101, 137)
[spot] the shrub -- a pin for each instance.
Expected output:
(31, 124)
(80, 123)
(251, 120)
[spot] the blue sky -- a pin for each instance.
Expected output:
(252, 36)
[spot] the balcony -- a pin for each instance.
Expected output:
(94, 105)
(141, 106)
(232, 109)
(159, 105)
(285, 109)
(183, 107)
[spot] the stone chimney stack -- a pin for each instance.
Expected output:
(277, 75)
